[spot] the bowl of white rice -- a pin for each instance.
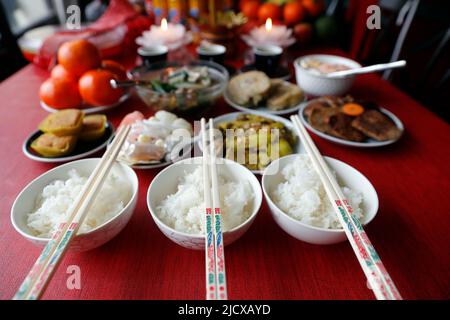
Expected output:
(44, 203)
(300, 206)
(175, 201)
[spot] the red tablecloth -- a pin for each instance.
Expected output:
(411, 231)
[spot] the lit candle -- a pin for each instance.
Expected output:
(269, 34)
(268, 24)
(168, 34)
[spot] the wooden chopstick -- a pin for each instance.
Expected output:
(376, 273)
(37, 279)
(219, 247)
(211, 288)
(216, 287)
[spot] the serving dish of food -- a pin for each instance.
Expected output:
(351, 122)
(68, 135)
(254, 90)
(253, 131)
(182, 89)
(89, 109)
(156, 141)
(311, 74)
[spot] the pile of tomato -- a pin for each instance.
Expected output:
(81, 77)
(294, 13)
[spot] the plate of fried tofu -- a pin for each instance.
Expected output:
(68, 135)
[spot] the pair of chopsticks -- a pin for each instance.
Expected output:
(41, 273)
(216, 282)
(377, 275)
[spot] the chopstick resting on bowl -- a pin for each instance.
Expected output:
(377, 275)
(42, 271)
(216, 283)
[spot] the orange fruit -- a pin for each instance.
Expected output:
(293, 13)
(250, 8)
(96, 90)
(59, 72)
(115, 68)
(269, 10)
(313, 7)
(60, 93)
(78, 56)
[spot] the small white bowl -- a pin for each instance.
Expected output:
(347, 176)
(318, 84)
(166, 182)
(96, 237)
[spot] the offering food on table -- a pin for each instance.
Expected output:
(184, 210)
(93, 127)
(302, 196)
(54, 201)
(63, 123)
(255, 88)
(62, 130)
(50, 145)
(180, 88)
(81, 78)
(349, 119)
(322, 67)
(152, 140)
(257, 139)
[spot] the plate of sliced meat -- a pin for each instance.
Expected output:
(351, 122)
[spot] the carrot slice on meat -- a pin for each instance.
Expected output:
(352, 109)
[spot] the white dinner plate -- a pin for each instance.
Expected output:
(90, 109)
(263, 109)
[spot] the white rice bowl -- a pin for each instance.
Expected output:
(303, 197)
(184, 209)
(53, 203)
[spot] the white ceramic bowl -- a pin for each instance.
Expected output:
(96, 237)
(319, 85)
(347, 176)
(166, 182)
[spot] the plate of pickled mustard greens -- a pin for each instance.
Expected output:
(261, 137)
(68, 135)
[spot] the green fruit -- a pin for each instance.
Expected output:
(279, 2)
(326, 27)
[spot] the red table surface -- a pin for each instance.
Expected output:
(411, 231)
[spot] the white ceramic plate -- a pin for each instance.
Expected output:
(297, 148)
(266, 110)
(83, 149)
(90, 109)
(370, 143)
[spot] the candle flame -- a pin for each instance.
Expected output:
(164, 24)
(269, 24)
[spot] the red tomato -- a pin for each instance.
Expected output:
(303, 32)
(59, 72)
(269, 10)
(313, 7)
(115, 68)
(60, 93)
(96, 90)
(250, 8)
(78, 56)
(293, 13)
